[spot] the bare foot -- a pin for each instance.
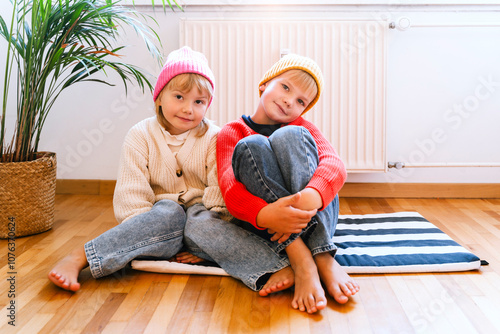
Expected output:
(309, 294)
(65, 273)
(338, 283)
(278, 281)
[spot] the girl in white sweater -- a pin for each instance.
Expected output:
(167, 165)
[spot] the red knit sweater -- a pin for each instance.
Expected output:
(327, 180)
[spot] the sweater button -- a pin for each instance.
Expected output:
(178, 172)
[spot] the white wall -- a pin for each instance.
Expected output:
(443, 93)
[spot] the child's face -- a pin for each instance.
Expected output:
(183, 110)
(283, 100)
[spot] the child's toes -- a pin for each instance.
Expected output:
(310, 304)
(339, 295)
(352, 287)
(346, 289)
(299, 305)
(321, 304)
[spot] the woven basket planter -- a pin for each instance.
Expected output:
(27, 196)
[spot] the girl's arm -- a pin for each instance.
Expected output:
(133, 194)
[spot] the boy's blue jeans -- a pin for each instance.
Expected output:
(270, 168)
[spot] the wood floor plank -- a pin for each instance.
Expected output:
(488, 299)
(299, 322)
(243, 319)
(35, 324)
(428, 315)
(392, 311)
(168, 304)
(198, 322)
(104, 314)
(490, 310)
(128, 307)
(115, 327)
(339, 322)
(77, 303)
(220, 319)
(208, 295)
(356, 314)
(146, 308)
(318, 322)
(280, 309)
(465, 302)
(27, 304)
(186, 305)
(407, 301)
(259, 312)
(443, 304)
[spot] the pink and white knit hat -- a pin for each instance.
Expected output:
(184, 60)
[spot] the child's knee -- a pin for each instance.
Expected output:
(248, 149)
(199, 218)
(253, 142)
(169, 211)
(290, 135)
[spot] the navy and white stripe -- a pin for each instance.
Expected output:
(396, 243)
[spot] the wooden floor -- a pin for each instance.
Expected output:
(140, 302)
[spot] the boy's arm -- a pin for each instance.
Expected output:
(330, 174)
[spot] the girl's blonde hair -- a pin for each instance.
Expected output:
(184, 83)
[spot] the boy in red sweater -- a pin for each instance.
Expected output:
(280, 177)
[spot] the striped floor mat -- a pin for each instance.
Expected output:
(396, 243)
(403, 242)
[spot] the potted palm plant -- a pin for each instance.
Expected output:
(52, 45)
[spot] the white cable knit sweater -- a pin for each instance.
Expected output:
(148, 171)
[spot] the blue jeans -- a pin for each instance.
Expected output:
(279, 166)
(237, 246)
(156, 234)
(241, 253)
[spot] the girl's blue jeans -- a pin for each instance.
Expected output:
(156, 234)
(270, 168)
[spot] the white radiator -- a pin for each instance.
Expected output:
(351, 54)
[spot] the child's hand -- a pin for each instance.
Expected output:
(282, 217)
(281, 237)
(185, 257)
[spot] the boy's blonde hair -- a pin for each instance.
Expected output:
(296, 62)
(305, 81)
(184, 83)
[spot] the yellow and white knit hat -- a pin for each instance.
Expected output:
(296, 62)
